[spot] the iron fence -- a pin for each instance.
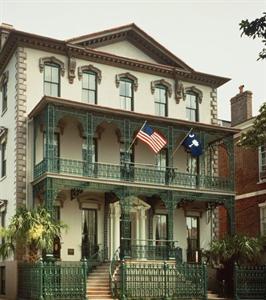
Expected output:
(162, 281)
(250, 282)
(52, 280)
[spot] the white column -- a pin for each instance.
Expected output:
(116, 233)
(111, 231)
(142, 225)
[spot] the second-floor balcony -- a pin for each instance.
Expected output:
(133, 173)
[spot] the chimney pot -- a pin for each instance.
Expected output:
(241, 88)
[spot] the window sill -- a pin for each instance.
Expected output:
(3, 112)
(2, 178)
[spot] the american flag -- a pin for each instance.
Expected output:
(152, 138)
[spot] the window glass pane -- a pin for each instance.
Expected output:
(85, 95)
(92, 81)
(122, 88)
(54, 90)
(55, 74)
(91, 97)
(47, 73)
(85, 81)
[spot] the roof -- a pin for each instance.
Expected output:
(123, 113)
(137, 37)
(167, 64)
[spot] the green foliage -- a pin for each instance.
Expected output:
(34, 229)
(238, 248)
(255, 29)
(256, 136)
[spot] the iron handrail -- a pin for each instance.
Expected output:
(112, 269)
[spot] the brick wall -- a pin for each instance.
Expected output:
(247, 216)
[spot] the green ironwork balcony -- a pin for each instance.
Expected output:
(133, 172)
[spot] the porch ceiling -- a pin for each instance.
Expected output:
(223, 131)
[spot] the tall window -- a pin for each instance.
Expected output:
(263, 220)
(3, 159)
(4, 97)
(160, 95)
(262, 162)
(192, 108)
(192, 239)
(161, 228)
(126, 94)
(161, 160)
(89, 87)
(3, 222)
(89, 245)
(52, 79)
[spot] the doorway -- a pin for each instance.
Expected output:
(89, 244)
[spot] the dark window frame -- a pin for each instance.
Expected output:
(126, 97)
(4, 97)
(192, 109)
(159, 102)
(58, 84)
(85, 73)
(3, 159)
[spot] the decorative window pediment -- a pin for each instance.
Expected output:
(164, 83)
(129, 76)
(90, 68)
(4, 79)
(52, 59)
(3, 133)
(196, 91)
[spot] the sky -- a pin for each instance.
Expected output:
(203, 33)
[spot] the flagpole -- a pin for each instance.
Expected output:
(181, 142)
(136, 137)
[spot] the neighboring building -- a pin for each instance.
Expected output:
(250, 174)
(69, 112)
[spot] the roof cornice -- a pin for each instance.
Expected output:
(19, 38)
(123, 114)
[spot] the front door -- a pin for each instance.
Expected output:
(193, 239)
(89, 243)
(161, 250)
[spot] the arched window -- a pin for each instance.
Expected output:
(193, 99)
(161, 100)
(127, 84)
(192, 107)
(52, 69)
(89, 87)
(91, 77)
(51, 79)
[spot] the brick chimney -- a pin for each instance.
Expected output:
(241, 106)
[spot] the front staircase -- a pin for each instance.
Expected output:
(213, 296)
(98, 286)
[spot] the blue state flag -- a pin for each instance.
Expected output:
(192, 145)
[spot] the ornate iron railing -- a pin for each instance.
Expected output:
(114, 275)
(138, 173)
(162, 281)
(96, 259)
(150, 249)
(250, 282)
(52, 280)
